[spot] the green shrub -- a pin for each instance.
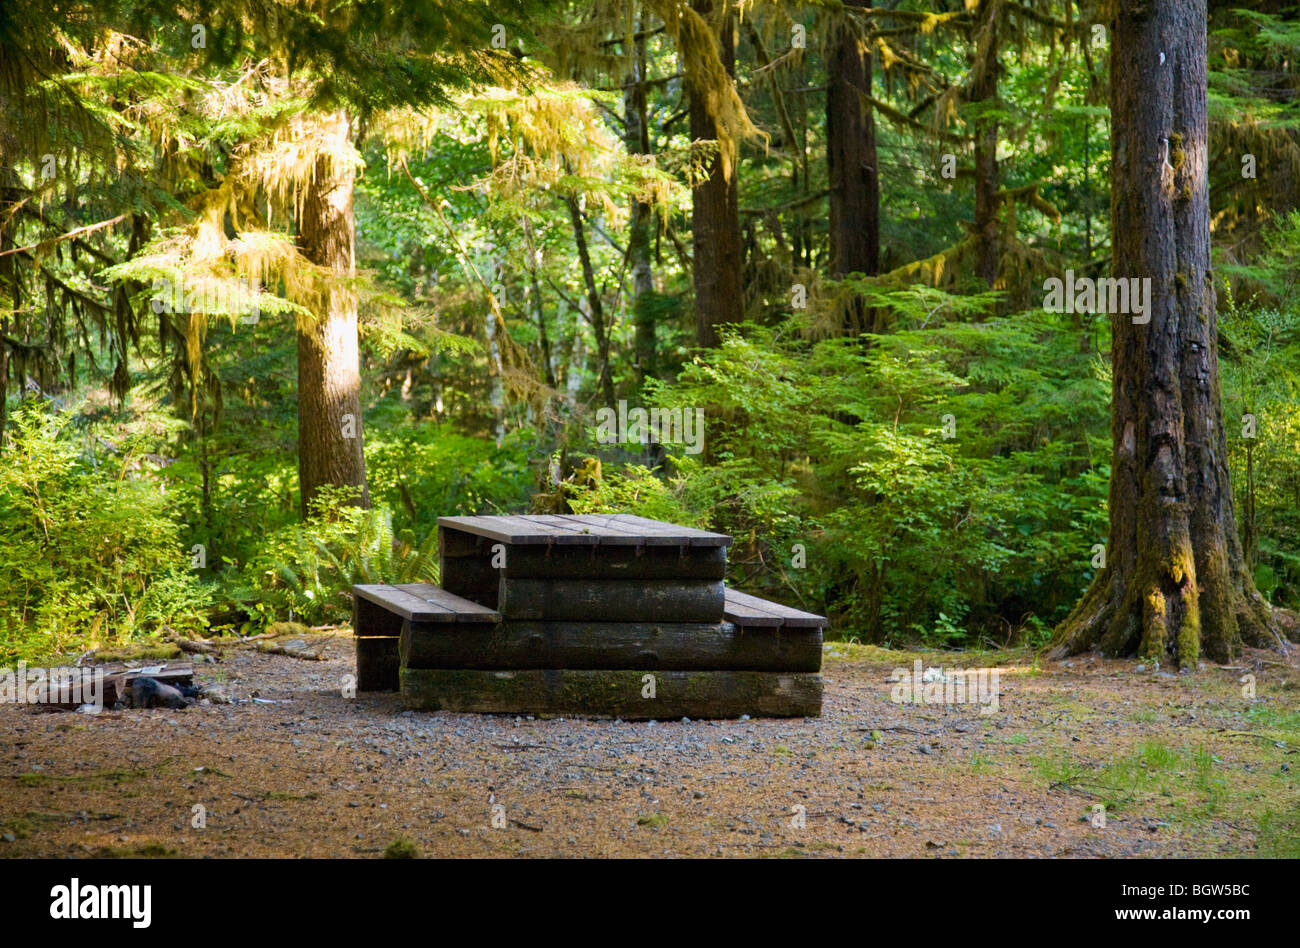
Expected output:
(91, 554)
(307, 570)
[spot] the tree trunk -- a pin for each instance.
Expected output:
(1175, 581)
(9, 196)
(637, 142)
(329, 367)
(596, 308)
(851, 160)
(715, 216)
(984, 92)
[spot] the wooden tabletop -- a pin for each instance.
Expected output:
(584, 530)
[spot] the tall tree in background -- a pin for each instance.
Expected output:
(1175, 582)
(715, 198)
(636, 138)
(851, 155)
(983, 93)
(329, 361)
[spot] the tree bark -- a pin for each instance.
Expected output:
(596, 314)
(329, 367)
(984, 92)
(715, 215)
(9, 195)
(851, 160)
(637, 142)
(1175, 582)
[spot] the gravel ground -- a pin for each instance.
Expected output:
(318, 774)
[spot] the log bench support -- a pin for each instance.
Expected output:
(379, 614)
(630, 695)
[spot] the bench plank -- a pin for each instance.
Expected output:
(424, 602)
(744, 609)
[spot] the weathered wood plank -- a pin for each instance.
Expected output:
(694, 694)
(614, 533)
(613, 600)
(454, 542)
(693, 535)
(423, 602)
(582, 530)
(465, 610)
(593, 645)
(747, 610)
(516, 530)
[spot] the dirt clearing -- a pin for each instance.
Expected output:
(1181, 765)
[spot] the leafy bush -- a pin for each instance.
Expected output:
(307, 570)
(91, 554)
(426, 471)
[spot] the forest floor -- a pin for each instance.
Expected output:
(1184, 766)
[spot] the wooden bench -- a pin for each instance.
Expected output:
(746, 611)
(380, 613)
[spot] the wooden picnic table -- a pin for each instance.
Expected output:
(573, 614)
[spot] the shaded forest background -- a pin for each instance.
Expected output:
(825, 225)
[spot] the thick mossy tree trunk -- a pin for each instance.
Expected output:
(1175, 582)
(715, 212)
(329, 369)
(851, 159)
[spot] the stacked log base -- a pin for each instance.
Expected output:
(616, 693)
(612, 600)
(679, 646)
(378, 642)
